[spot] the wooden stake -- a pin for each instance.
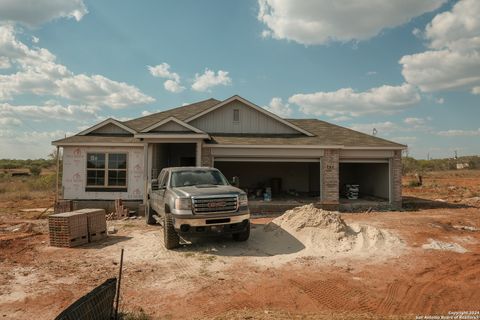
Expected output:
(58, 174)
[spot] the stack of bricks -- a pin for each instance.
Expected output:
(63, 206)
(97, 224)
(69, 229)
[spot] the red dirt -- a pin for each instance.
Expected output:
(39, 281)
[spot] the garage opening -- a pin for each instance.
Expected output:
(364, 181)
(285, 180)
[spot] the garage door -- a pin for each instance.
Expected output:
(371, 176)
(288, 177)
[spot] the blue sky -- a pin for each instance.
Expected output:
(410, 69)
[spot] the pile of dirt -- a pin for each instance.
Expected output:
(445, 246)
(324, 233)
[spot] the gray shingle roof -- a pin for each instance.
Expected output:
(181, 113)
(326, 134)
(96, 139)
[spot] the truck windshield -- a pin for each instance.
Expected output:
(197, 177)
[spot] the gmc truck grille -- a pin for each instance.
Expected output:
(216, 204)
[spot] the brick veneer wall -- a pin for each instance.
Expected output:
(396, 167)
(330, 183)
(207, 158)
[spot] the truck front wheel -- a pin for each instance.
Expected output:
(170, 236)
(244, 235)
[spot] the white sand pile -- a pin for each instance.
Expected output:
(317, 232)
(446, 246)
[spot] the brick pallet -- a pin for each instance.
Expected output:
(97, 224)
(69, 229)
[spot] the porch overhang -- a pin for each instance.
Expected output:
(180, 136)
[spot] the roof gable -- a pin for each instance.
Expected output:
(109, 126)
(181, 113)
(171, 124)
(248, 104)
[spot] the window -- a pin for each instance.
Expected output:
(236, 115)
(197, 177)
(106, 172)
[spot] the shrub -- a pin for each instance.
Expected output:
(35, 170)
(43, 183)
(414, 184)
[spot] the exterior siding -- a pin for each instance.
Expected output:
(110, 128)
(75, 174)
(251, 121)
(170, 126)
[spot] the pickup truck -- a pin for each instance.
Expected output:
(192, 202)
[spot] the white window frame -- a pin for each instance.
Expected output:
(106, 169)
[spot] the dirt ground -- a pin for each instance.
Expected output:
(219, 279)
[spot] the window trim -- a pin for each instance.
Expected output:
(105, 187)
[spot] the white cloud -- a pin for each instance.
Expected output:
(209, 79)
(279, 108)
(442, 69)
(321, 21)
(440, 100)
(4, 63)
(371, 73)
(381, 127)
(476, 90)
(453, 61)
(459, 133)
(35, 12)
(417, 32)
(28, 144)
(38, 73)
(173, 86)
(342, 118)
(406, 139)
(51, 111)
(414, 121)
(35, 39)
(99, 90)
(9, 122)
(163, 71)
(384, 99)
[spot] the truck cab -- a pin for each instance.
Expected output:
(197, 201)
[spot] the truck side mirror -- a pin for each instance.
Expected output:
(154, 184)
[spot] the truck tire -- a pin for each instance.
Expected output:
(242, 236)
(149, 212)
(171, 239)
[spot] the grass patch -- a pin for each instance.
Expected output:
(26, 188)
(414, 184)
(135, 315)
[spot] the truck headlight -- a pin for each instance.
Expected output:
(243, 200)
(183, 204)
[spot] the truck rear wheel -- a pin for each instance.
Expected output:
(242, 236)
(171, 239)
(149, 212)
